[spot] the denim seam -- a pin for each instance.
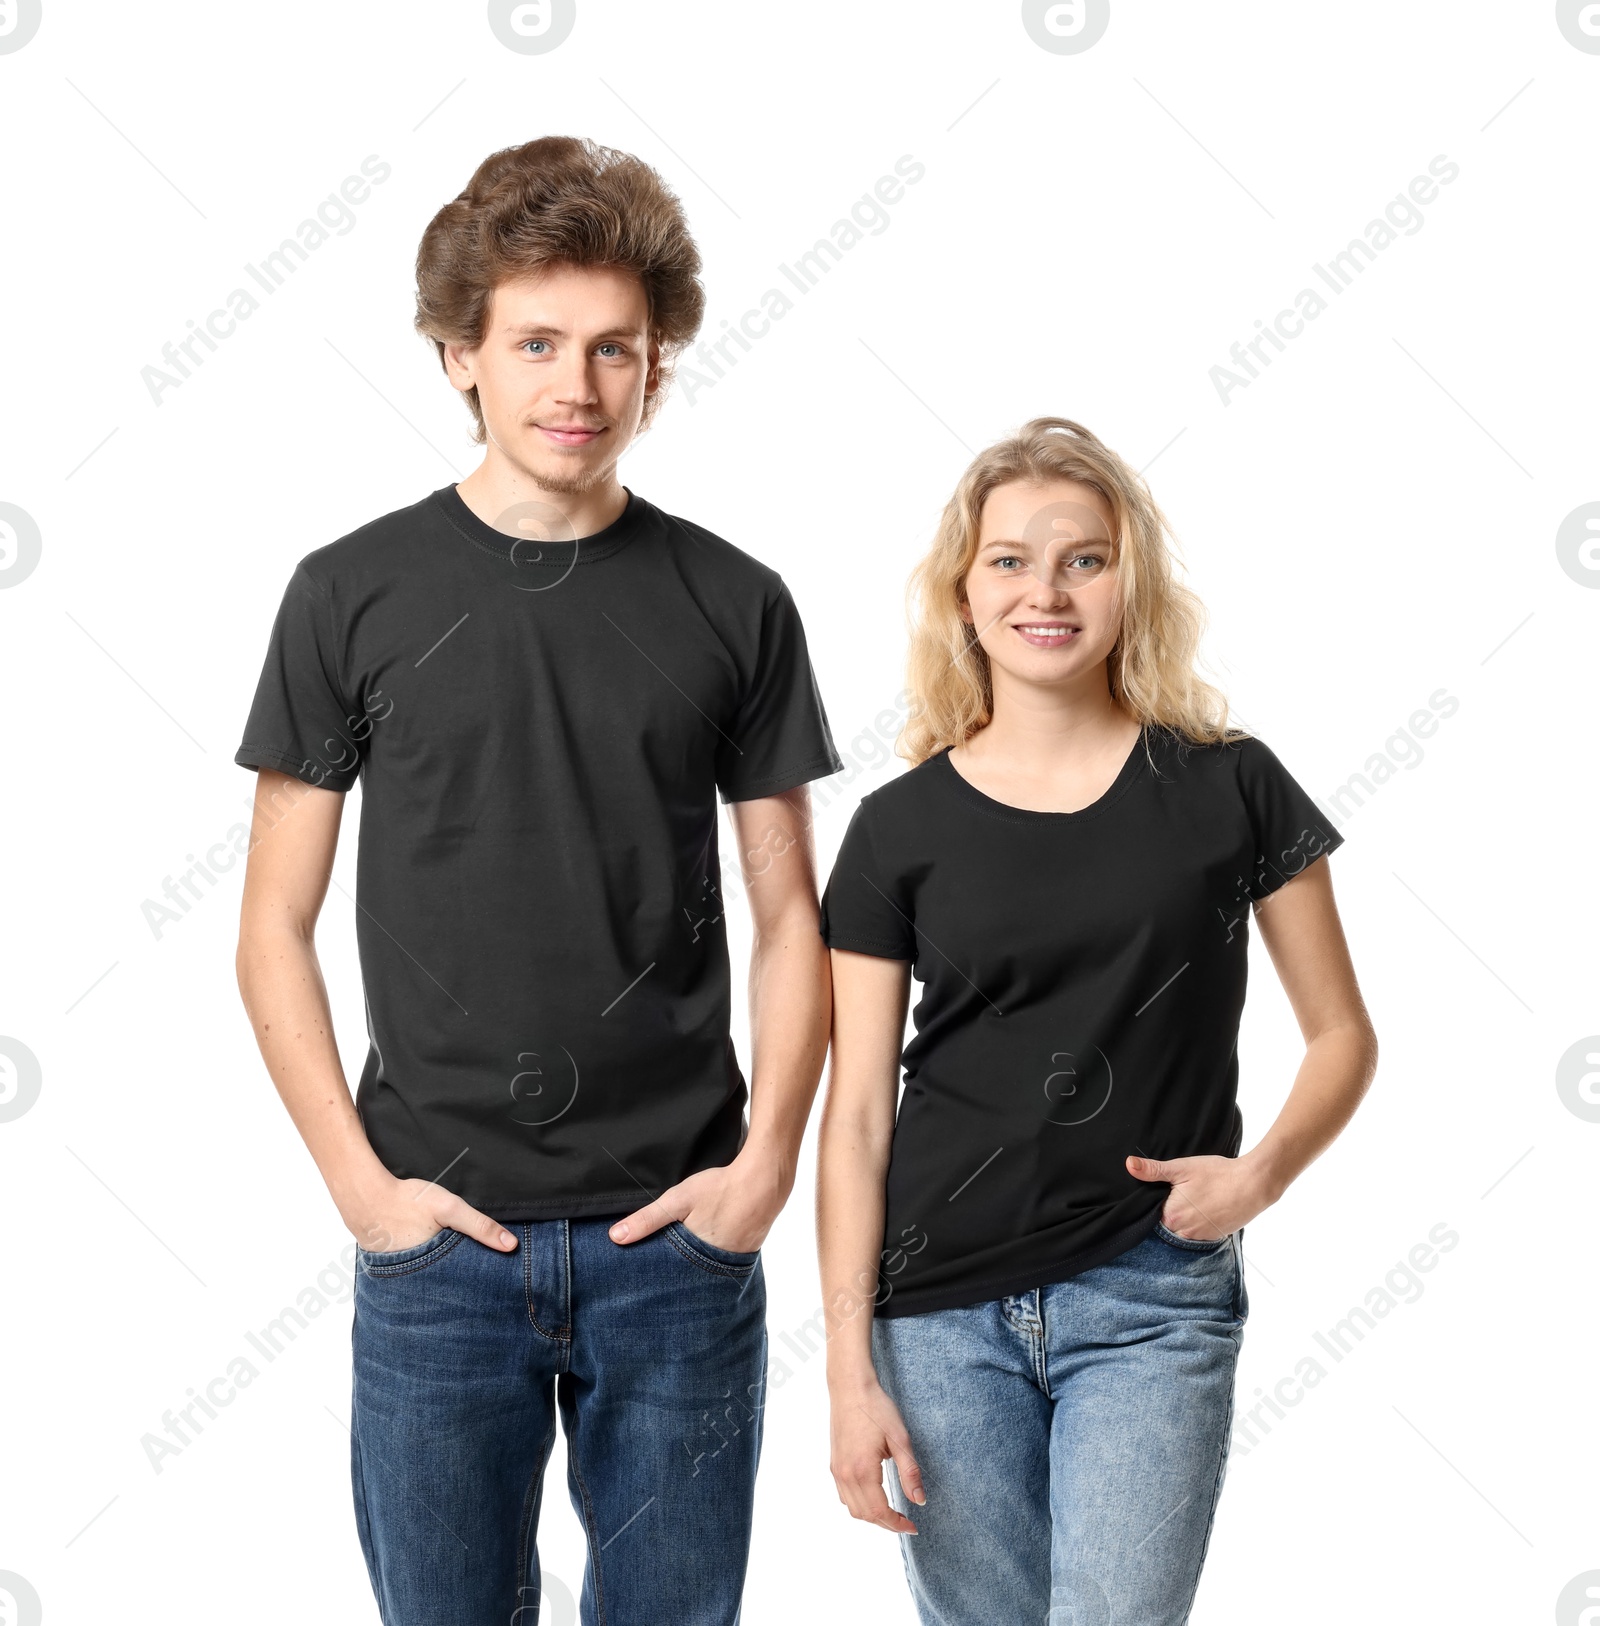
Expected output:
(714, 1267)
(1216, 1492)
(562, 1334)
(1190, 1244)
(421, 1262)
(589, 1530)
(363, 1515)
(527, 1538)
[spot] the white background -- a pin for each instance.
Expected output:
(1372, 520)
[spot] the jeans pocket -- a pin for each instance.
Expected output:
(1192, 1244)
(418, 1256)
(719, 1261)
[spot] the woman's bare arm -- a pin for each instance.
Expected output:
(1299, 923)
(870, 996)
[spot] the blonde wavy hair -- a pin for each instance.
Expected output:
(1151, 668)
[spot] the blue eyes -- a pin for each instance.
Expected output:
(1086, 563)
(608, 351)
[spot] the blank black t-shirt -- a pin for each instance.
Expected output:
(1083, 978)
(541, 732)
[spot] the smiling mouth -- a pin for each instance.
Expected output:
(1046, 634)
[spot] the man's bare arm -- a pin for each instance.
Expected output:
(791, 995)
(294, 832)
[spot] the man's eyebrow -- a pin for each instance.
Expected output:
(543, 330)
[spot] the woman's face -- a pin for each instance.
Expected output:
(1042, 594)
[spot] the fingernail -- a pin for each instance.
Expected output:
(506, 1239)
(619, 1233)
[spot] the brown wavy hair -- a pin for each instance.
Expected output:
(559, 200)
(1152, 666)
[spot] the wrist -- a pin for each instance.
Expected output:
(359, 1186)
(851, 1375)
(1267, 1173)
(765, 1168)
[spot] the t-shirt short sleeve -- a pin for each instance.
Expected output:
(780, 736)
(864, 909)
(1290, 829)
(301, 722)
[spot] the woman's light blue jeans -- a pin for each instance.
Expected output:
(1072, 1439)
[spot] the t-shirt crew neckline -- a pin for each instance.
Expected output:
(601, 545)
(1129, 772)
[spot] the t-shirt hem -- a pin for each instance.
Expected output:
(261, 756)
(998, 1287)
(511, 1210)
(1280, 878)
(817, 768)
(862, 945)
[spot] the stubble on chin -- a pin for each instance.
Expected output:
(579, 483)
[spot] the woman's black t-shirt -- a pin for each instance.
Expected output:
(1083, 978)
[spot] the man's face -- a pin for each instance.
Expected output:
(563, 373)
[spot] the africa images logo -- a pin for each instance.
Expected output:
(19, 22)
(532, 27)
(1065, 27)
(20, 544)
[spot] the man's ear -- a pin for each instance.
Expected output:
(458, 363)
(652, 377)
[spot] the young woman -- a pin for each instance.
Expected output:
(1033, 1271)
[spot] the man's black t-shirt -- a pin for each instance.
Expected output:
(541, 732)
(1083, 978)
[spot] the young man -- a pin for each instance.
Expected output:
(543, 683)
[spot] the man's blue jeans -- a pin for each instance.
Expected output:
(655, 1356)
(1072, 1439)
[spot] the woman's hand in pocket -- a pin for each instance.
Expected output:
(1211, 1197)
(866, 1429)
